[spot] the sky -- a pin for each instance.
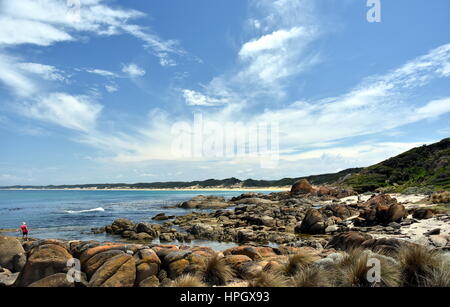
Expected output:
(95, 91)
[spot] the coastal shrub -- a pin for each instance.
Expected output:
(296, 263)
(188, 281)
(441, 198)
(266, 279)
(421, 266)
(215, 271)
(354, 268)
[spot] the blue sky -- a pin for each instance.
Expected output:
(91, 92)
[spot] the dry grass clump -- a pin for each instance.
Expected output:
(311, 276)
(296, 263)
(441, 198)
(421, 267)
(215, 271)
(438, 277)
(412, 266)
(188, 281)
(355, 270)
(266, 279)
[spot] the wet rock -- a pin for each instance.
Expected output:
(150, 229)
(142, 236)
(162, 217)
(167, 237)
(121, 225)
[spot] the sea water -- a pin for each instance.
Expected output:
(70, 214)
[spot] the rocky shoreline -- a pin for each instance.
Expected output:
(302, 217)
(309, 236)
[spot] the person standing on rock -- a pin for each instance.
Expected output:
(24, 229)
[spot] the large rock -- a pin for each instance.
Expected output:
(87, 254)
(396, 213)
(7, 279)
(301, 187)
(147, 228)
(147, 264)
(12, 254)
(249, 251)
(121, 225)
(151, 281)
(348, 240)
(205, 202)
(376, 210)
(200, 230)
(236, 261)
(384, 244)
(118, 271)
(312, 223)
(45, 260)
(58, 280)
(423, 213)
(96, 261)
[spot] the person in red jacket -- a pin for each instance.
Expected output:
(24, 229)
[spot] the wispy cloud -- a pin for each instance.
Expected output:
(46, 22)
(73, 112)
(48, 72)
(102, 72)
(377, 104)
(281, 50)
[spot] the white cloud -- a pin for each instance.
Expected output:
(73, 112)
(366, 153)
(48, 72)
(274, 40)
(194, 98)
(432, 109)
(111, 88)
(102, 72)
(45, 22)
(133, 70)
(279, 49)
(14, 78)
(17, 31)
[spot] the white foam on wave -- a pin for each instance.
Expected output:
(82, 211)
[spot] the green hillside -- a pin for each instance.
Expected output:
(425, 166)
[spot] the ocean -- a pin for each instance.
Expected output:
(70, 215)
